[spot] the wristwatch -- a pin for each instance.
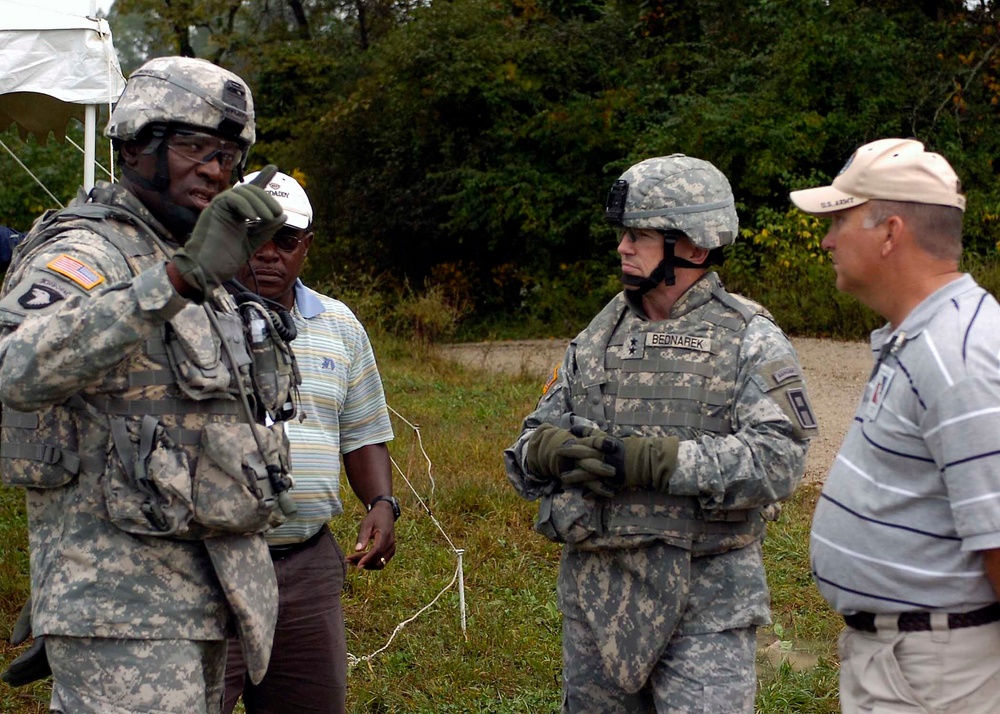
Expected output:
(391, 500)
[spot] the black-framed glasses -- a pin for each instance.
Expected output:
(202, 148)
(285, 241)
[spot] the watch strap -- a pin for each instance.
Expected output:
(391, 500)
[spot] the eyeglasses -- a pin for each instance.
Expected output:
(203, 148)
(285, 241)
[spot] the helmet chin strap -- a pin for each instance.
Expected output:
(662, 273)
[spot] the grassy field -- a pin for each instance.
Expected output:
(507, 659)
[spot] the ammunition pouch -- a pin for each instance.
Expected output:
(40, 449)
(151, 489)
(636, 518)
(193, 351)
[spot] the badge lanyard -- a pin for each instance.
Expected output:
(881, 376)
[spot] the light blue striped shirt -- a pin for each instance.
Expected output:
(341, 408)
(915, 491)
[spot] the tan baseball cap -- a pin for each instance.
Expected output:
(887, 169)
(291, 196)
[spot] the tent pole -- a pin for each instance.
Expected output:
(89, 145)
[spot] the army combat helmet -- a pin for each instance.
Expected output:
(675, 195)
(185, 90)
(172, 95)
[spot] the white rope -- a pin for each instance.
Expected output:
(420, 442)
(37, 180)
(352, 660)
(459, 575)
(80, 149)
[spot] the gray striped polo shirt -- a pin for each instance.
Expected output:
(915, 491)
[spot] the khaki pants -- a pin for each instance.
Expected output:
(937, 672)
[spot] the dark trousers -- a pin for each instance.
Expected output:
(308, 668)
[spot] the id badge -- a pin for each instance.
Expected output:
(877, 390)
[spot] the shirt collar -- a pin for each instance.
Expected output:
(308, 305)
(915, 322)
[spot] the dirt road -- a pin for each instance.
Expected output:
(835, 373)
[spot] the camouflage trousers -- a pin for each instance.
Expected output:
(652, 629)
(111, 676)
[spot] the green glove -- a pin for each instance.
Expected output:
(588, 469)
(234, 225)
(22, 627)
(31, 665)
(540, 454)
(634, 462)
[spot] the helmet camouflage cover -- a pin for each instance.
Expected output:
(676, 192)
(184, 90)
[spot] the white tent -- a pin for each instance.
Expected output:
(55, 65)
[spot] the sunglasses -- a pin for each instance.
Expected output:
(202, 148)
(285, 241)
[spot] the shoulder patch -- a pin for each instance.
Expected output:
(38, 296)
(552, 380)
(80, 273)
(801, 408)
(785, 373)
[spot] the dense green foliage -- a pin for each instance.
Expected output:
(466, 146)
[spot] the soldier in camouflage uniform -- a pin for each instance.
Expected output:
(678, 419)
(134, 405)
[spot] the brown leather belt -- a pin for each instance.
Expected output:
(921, 621)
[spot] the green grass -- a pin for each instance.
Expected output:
(508, 659)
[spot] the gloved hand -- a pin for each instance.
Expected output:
(589, 466)
(22, 626)
(540, 453)
(31, 665)
(633, 462)
(236, 223)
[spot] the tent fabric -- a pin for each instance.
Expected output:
(67, 58)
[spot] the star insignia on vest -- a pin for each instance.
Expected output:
(635, 346)
(77, 271)
(39, 296)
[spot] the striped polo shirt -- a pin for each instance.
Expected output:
(341, 408)
(915, 491)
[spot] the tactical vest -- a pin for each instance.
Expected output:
(668, 378)
(188, 465)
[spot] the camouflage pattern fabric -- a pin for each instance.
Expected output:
(736, 399)
(76, 321)
(94, 676)
(681, 193)
(166, 88)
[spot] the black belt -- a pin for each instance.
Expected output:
(280, 552)
(921, 621)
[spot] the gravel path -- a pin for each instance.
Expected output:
(835, 373)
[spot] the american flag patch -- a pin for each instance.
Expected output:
(76, 271)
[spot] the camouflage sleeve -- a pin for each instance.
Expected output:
(762, 462)
(75, 311)
(553, 408)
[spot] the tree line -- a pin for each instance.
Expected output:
(470, 144)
